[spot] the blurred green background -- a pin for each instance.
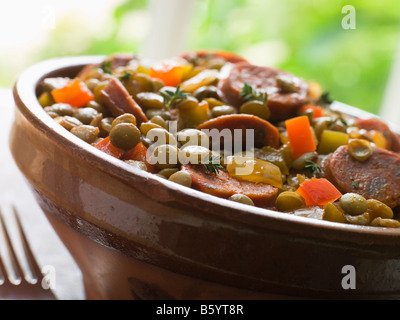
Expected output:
(304, 37)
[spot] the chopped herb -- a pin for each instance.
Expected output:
(213, 165)
(106, 66)
(342, 120)
(125, 76)
(171, 97)
(356, 184)
(313, 167)
(325, 99)
(208, 56)
(248, 93)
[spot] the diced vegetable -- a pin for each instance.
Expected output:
(106, 146)
(139, 153)
(300, 136)
(192, 117)
(316, 110)
(274, 156)
(203, 78)
(318, 192)
(75, 93)
(254, 170)
(331, 140)
(379, 139)
(169, 71)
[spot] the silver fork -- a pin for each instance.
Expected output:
(21, 288)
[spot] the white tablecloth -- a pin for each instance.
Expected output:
(45, 244)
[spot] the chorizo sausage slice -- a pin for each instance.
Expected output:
(392, 139)
(121, 60)
(265, 134)
(223, 185)
(116, 61)
(208, 54)
(283, 103)
(376, 178)
(118, 100)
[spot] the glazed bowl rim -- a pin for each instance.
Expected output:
(25, 96)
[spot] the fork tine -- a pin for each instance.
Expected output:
(12, 255)
(33, 265)
(3, 273)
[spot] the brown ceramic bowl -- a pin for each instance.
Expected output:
(136, 236)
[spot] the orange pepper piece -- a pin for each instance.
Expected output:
(317, 111)
(318, 192)
(106, 146)
(75, 93)
(300, 136)
(139, 153)
(168, 71)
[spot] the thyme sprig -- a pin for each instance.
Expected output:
(313, 167)
(249, 93)
(213, 164)
(170, 97)
(106, 66)
(325, 99)
(125, 76)
(343, 121)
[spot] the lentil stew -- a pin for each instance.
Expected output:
(214, 122)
